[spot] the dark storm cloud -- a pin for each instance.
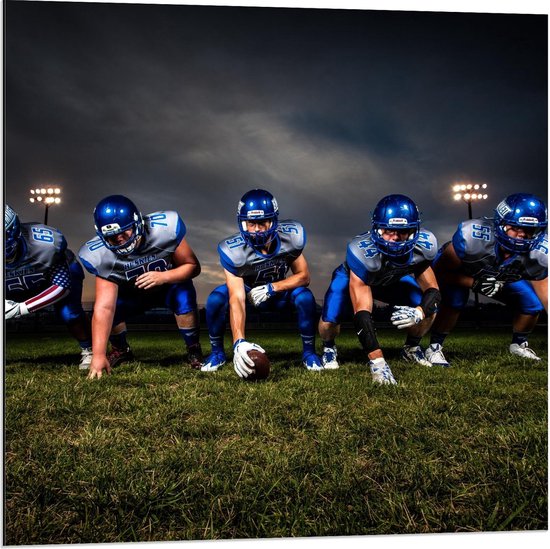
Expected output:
(188, 107)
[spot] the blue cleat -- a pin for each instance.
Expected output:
(214, 362)
(312, 362)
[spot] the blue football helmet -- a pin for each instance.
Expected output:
(520, 210)
(395, 212)
(114, 215)
(12, 227)
(256, 205)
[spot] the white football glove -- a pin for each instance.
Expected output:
(405, 317)
(14, 309)
(243, 364)
(260, 294)
(488, 286)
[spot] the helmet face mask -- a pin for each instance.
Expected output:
(259, 208)
(12, 228)
(395, 213)
(116, 215)
(520, 213)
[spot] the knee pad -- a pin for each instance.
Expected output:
(181, 298)
(366, 331)
(430, 301)
(219, 297)
(70, 313)
(303, 299)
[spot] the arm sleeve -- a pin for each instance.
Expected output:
(60, 287)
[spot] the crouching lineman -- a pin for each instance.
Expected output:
(505, 259)
(256, 261)
(140, 262)
(42, 271)
(390, 263)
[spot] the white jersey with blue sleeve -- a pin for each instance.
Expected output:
(474, 243)
(256, 269)
(376, 269)
(163, 232)
(43, 260)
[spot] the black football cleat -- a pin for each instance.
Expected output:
(118, 356)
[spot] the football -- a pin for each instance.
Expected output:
(262, 365)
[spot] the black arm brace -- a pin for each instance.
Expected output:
(365, 330)
(431, 299)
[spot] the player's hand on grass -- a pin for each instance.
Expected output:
(13, 309)
(405, 317)
(150, 279)
(242, 363)
(258, 295)
(98, 366)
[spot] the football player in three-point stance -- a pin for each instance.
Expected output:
(139, 263)
(42, 271)
(390, 263)
(256, 261)
(505, 259)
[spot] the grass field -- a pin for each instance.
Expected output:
(159, 452)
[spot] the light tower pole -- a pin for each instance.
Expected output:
(471, 192)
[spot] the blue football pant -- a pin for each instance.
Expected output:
(301, 299)
(337, 305)
(519, 296)
(180, 298)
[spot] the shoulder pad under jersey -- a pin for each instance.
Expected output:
(362, 256)
(164, 229)
(292, 233)
(474, 238)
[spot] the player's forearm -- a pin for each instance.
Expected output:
(292, 282)
(102, 321)
(541, 289)
(49, 296)
(237, 318)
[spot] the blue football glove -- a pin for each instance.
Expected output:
(405, 317)
(260, 294)
(243, 364)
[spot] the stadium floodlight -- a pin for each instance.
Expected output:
(47, 196)
(462, 191)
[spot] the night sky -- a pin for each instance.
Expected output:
(187, 108)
